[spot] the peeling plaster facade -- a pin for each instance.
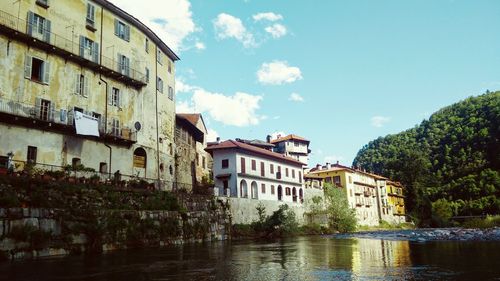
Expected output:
(83, 62)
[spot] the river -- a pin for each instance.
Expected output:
(302, 258)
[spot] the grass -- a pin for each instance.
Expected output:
(488, 222)
(384, 225)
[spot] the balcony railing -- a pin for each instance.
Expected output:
(70, 48)
(63, 119)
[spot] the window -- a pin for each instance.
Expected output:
(37, 70)
(278, 174)
(169, 66)
(336, 181)
(115, 97)
(262, 169)
(287, 191)
(243, 165)
(272, 189)
(90, 19)
(300, 176)
(76, 162)
(293, 173)
(286, 172)
(115, 127)
(263, 188)
(254, 165)
(146, 45)
(103, 167)
(159, 84)
(89, 49)
(170, 93)
(99, 120)
(81, 85)
(225, 163)
(159, 57)
(271, 167)
(122, 30)
(38, 27)
(31, 156)
(44, 108)
(123, 65)
(296, 144)
(147, 75)
(203, 162)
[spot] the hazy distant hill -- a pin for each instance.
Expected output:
(454, 155)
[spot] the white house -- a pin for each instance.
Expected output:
(246, 171)
(292, 146)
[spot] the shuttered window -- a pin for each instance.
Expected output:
(38, 27)
(36, 69)
(81, 85)
(122, 30)
(89, 49)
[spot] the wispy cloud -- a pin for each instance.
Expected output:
(296, 97)
(276, 30)
(379, 121)
(228, 26)
(278, 72)
(269, 16)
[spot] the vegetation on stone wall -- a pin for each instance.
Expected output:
(280, 223)
(453, 156)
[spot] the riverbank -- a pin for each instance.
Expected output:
(429, 234)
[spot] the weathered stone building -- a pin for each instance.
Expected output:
(86, 59)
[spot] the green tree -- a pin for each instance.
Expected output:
(342, 218)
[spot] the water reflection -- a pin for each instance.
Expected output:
(310, 258)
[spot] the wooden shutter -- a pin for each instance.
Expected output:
(77, 84)
(119, 103)
(38, 107)
(95, 52)
(119, 63)
(110, 94)
(27, 67)
(127, 66)
(46, 31)
(85, 86)
(117, 27)
(82, 43)
(31, 17)
(127, 32)
(243, 165)
(262, 169)
(51, 112)
(46, 72)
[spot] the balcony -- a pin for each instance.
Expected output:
(69, 49)
(47, 118)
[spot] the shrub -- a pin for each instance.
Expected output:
(442, 211)
(488, 222)
(341, 217)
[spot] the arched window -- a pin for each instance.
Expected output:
(301, 196)
(140, 158)
(294, 194)
(243, 189)
(255, 190)
(280, 193)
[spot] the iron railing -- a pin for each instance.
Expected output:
(69, 45)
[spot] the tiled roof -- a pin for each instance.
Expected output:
(191, 117)
(289, 137)
(250, 148)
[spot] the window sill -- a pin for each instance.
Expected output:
(38, 81)
(90, 27)
(42, 4)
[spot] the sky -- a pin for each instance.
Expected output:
(339, 73)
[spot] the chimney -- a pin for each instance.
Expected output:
(218, 139)
(328, 166)
(268, 138)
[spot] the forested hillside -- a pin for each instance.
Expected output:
(450, 164)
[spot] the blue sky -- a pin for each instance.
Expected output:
(340, 73)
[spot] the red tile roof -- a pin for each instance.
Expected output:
(289, 137)
(191, 117)
(250, 148)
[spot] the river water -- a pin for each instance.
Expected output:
(303, 258)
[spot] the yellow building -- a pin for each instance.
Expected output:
(368, 194)
(84, 82)
(396, 199)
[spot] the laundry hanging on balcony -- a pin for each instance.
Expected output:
(86, 125)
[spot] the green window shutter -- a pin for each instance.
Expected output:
(116, 27)
(127, 32)
(27, 67)
(29, 25)
(46, 31)
(46, 72)
(95, 52)
(77, 84)
(82, 45)
(86, 86)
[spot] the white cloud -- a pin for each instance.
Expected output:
(238, 110)
(212, 135)
(228, 26)
(333, 159)
(276, 30)
(379, 121)
(171, 20)
(296, 97)
(200, 46)
(278, 134)
(182, 87)
(267, 16)
(277, 73)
